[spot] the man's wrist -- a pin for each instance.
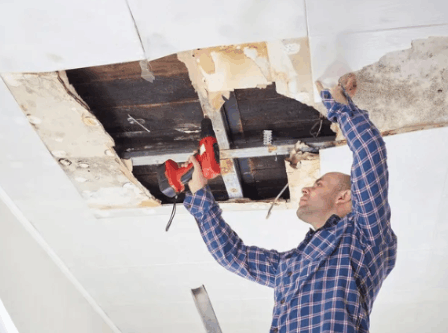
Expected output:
(194, 189)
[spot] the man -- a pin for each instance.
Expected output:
(330, 281)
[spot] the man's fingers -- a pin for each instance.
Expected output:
(195, 162)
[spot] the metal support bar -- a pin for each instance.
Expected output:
(143, 157)
(228, 167)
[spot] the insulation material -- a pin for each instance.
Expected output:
(78, 141)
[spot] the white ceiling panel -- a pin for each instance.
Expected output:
(49, 35)
(335, 17)
(335, 55)
(172, 26)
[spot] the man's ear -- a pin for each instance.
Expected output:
(344, 197)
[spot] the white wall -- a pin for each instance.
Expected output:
(37, 294)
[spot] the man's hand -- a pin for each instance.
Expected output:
(198, 181)
(319, 86)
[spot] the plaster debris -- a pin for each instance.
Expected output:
(291, 69)
(90, 121)
(80, 179)
(83, 165)
(34, 120)
(98, 173)
(305, 174)
(65, 161)
(59, 153)
(146, 72)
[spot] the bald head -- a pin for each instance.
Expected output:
(329, 195)
(344, 182)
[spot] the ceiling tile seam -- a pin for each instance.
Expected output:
(36, 235)
(136, 28)
(378, 30)
(306, 19)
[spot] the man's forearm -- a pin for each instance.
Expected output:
(369, 176)
(226, 247)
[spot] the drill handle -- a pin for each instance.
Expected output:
(188, 175)
(189, 169)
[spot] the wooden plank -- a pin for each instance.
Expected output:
(277, 113)
(146, 145)
(257, 94)
(166, 66)
(136, 91)
(180, 118)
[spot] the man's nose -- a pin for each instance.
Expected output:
(306, 190)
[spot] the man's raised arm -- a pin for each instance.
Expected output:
(253, 263)
(369, 173)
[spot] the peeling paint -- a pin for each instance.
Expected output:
(291, 68)
(255, 65)
(233, 69)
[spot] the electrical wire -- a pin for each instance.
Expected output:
(173, 212)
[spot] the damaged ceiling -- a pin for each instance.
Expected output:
(120, 121)
(170, 110)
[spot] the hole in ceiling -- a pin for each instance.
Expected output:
(167, 116)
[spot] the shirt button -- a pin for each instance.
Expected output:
(289, 273)
(282, 301)
(275, 330)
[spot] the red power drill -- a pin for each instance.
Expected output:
(172, 178)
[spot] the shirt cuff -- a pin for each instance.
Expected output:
(199, 203)
(334, 108)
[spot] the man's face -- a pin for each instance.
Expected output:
(319, 198)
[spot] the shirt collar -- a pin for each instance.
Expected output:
(332, 221)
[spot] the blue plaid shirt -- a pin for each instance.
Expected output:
(330, 281)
